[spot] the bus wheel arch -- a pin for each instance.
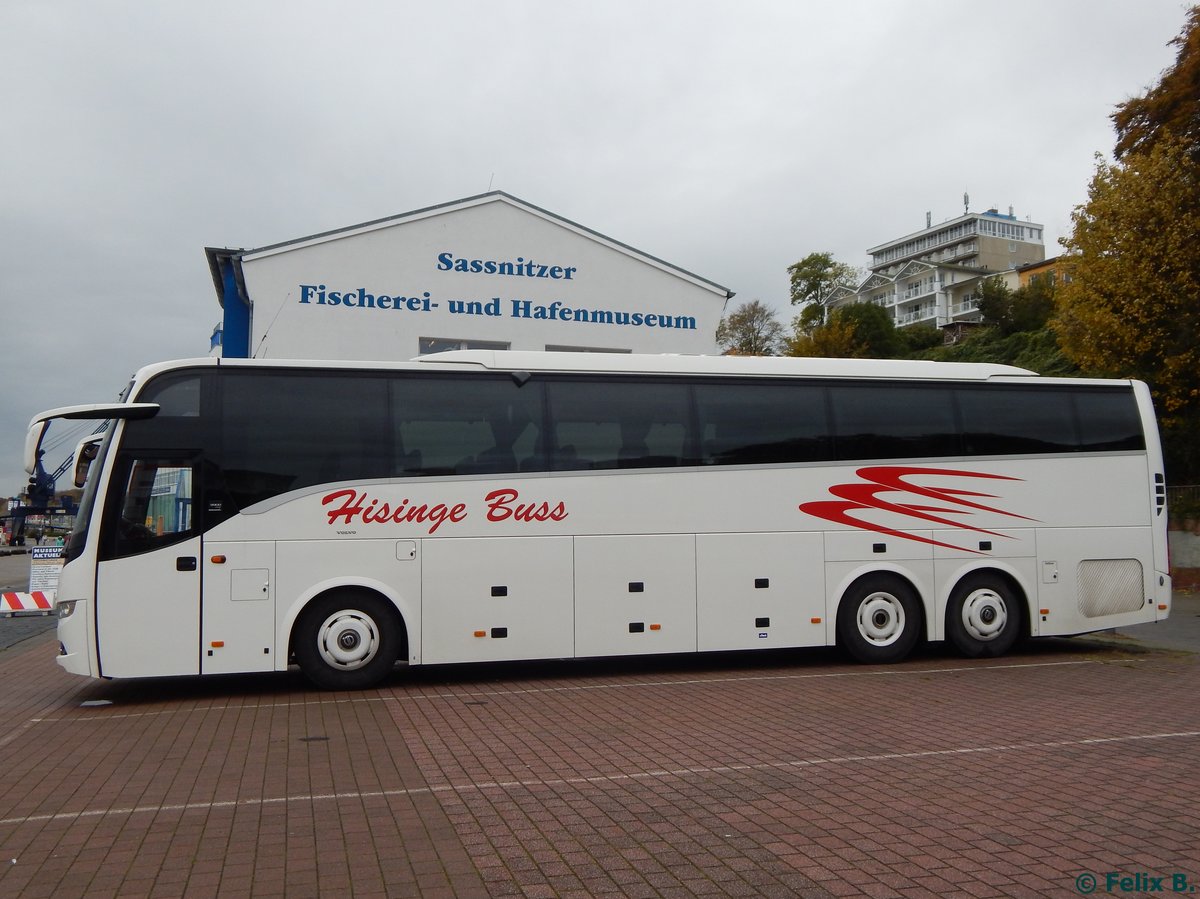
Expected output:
(348, 638)
(880, 618)
(986, 614)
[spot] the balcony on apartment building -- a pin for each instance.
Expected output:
(968, 305)
(918, 290)
(962, 251)
(913, 316)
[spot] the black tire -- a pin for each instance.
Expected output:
(879, 619)
(983, 617)
(347, 640)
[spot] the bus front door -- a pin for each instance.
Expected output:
(148, 582)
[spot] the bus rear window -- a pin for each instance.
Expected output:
(1109, 420)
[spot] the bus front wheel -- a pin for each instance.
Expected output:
(879, 619)
(347, 641)
(983, 617)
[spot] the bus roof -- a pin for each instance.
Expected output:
(636, 363)
(515, 360)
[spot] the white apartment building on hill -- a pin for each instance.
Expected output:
(932, 276)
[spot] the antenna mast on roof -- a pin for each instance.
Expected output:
(966, 202)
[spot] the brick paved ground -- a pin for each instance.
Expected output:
(783, 775)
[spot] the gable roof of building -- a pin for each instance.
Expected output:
(495, 196)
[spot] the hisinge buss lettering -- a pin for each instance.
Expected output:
(502, 506)
(356, 508)
(349, 507)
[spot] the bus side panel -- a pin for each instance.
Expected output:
(238, 611)
(635, 594)
(760, 591)
(1091, 579)
(497, 599)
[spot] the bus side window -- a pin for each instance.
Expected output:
(762, 423)
(465, 424)
(281, 432)
(874, 420)
(602, 423)
(999, 420)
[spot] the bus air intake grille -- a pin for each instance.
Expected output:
(1110, 586)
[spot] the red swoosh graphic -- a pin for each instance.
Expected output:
(881, 480)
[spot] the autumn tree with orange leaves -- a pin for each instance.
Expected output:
(1132, 305)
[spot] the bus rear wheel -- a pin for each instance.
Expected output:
(983, 617)
(347, 641)
(879, 619)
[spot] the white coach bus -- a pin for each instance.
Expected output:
(244, 515)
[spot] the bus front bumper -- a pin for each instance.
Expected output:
(72, 638)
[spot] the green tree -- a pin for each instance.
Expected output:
(1028, 308)
(873, 329)
(813, 279)
(751, 330)
(995, 303)
(812, 315)
(1171, 107)
(918, 339)
(859, 330)
(1033, 304)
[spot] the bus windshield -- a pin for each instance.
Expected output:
(78, 536)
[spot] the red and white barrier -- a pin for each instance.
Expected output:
(40, 602)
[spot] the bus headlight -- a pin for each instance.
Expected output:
(66, 608)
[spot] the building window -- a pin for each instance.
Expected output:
(429, 345)
(555, 348)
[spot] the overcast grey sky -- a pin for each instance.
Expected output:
(730, 139)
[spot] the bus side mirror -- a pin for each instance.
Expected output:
(85, 453)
